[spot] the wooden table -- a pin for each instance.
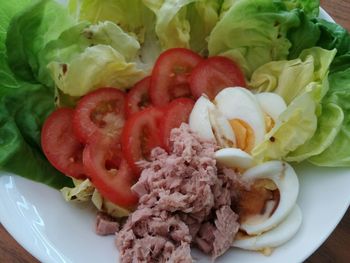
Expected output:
(337, 247)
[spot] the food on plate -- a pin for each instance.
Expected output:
(183, 200)
(184, 116)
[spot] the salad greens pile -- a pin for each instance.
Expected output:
(52, 53)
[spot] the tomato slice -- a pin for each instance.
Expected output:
(214, 74)
(177, 112)
(140, 135)
(101, 111)
(138, 98)
(170, 75)
(112, 181)
(59, 144)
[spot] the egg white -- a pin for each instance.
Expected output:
(276, 236)
(272, 104)
(286, 180)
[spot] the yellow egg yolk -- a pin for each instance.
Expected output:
(269, 122)
(245, 138)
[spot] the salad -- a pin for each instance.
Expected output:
(94, 95)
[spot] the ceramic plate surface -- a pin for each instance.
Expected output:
(55, 231)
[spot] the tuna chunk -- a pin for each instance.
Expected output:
(105, 225)
(183, 201)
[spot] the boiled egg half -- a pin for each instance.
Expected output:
(236, 117)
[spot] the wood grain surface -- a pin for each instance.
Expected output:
(335, 250)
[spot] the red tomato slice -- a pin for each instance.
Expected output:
(170, 75)
(113, 182)
(177, 112)
(138, 98)
(214, 74)
(140, 135)
(60, 146)
(101, 112)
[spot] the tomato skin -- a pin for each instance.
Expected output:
(138, 98)
(214, 74)
(114, 183)
(101, 111)
(140, 135)
(60, 146)
(175, 113)
(170, 75)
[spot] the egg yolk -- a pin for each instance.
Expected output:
(269, 123)
(245, 138)
(253, 202)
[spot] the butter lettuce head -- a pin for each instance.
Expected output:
(253, 33)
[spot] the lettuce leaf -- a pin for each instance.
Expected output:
(302, 83)
(22, 113)
(103, 67)
(328, 126)
(30, 31)
(23, 108)
(338, 153)
(333, 36)
(7, 10)
(104, 51)
(310, 7)
(318, 32)
(293, 128)
(184, 23)
(131, 15)
(289, 78)
(202, 16)
(172, 26)
(253, 33)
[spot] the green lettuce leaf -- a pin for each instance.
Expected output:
(303, 37)
(103, 67)
(131, 15)
(30, 31)
(310, 7)
(333, 36)
(184, 23)
(202, 17)
(338, 153)
(294, 127)
(328, 126)
(253, 33)
(172, 26)
(76, 40)
(7, 10)
(23, 108)
(22, 113)
(289, 78)
(302, 83)
(318, 32)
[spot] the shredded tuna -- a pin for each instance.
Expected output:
(105, 225)
(183, 201)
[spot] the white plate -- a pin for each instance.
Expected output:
(55, 231)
